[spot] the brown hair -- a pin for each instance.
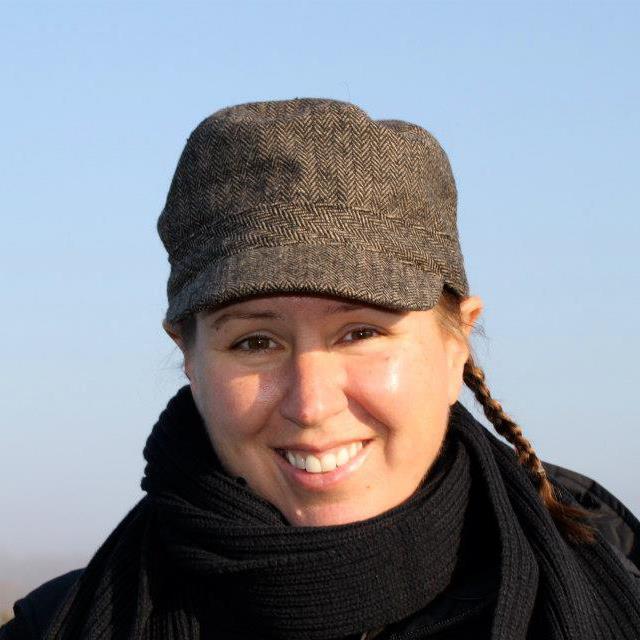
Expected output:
(569, 519)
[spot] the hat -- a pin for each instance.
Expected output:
(310, 196)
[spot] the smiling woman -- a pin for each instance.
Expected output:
(303, 394)
(318, 477)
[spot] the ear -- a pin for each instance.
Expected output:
(175, 335)
(457, 350)
(470, 310)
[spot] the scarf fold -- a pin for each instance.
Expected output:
(202, 556)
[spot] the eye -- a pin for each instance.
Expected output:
(361, 331)
(259, 342)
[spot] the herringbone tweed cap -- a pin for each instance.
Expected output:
(310, 195)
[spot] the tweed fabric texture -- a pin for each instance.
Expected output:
(310, 195)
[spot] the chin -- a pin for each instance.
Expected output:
(327, 515)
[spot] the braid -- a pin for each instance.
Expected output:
(572, 521)
(569, 519)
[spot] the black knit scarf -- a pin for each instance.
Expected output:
(202, 556)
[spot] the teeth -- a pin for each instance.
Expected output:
(326, 462)
(342, 457)
(313, 464)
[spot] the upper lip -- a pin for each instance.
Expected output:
(315, 448)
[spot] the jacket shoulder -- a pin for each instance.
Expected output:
(33, 613)
(618, 526)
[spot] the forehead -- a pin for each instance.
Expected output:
(281, 307)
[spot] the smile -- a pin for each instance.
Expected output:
(327, 461)
(312, 477)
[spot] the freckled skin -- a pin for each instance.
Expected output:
(316, 377)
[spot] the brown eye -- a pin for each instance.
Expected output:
(255, 343)
(363, 333)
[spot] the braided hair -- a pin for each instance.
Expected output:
(569, 519)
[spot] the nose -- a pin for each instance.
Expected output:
(314, 389)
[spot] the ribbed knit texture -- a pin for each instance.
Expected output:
(202, 556)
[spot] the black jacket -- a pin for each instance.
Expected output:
(464, 611)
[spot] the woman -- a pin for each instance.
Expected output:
(318, 478)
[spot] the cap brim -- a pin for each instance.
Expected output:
(360, 275)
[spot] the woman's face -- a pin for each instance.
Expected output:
(331, 411)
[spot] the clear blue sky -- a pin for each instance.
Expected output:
(537, 105)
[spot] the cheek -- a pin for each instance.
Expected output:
(400, 384)
(406, 394)
(235, 405)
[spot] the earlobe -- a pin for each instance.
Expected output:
(173, 334)
(470, 310)
(458, 348)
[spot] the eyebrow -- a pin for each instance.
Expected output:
(343, 307)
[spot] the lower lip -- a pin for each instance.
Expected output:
(326, 479)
